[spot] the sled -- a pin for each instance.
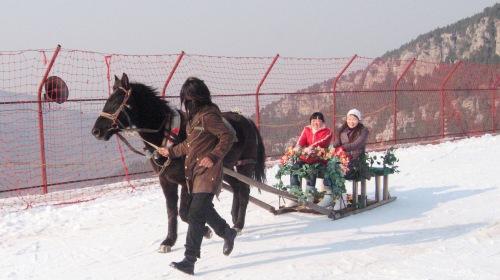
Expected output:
(254, 200)
(359, 203)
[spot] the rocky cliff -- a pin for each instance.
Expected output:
(473, 43)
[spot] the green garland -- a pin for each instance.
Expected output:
(335, 175)
(388, 162)
(332, 172)
(363, 168)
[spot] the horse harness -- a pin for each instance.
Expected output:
(171, 133)
(240, 162)
(115, 122)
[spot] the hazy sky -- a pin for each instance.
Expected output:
(312, 28)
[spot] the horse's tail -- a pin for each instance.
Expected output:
(260, 165)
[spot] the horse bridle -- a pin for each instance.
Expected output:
(115, 122)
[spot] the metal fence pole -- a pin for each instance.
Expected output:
(107, 59)
(396, 98)
(442, 90)
(257, 106)
(334, 92)
(494, 105)
(171, 74)
(41, 132)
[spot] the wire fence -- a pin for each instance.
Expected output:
(48, 155)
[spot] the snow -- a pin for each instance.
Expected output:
(443, 225)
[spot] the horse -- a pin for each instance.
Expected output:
(137, 108)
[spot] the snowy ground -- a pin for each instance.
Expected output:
(445, 224)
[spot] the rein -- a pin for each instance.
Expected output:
(124, 140)
(163, 166)
(117, 124)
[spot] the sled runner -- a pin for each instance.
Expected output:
(357, 204)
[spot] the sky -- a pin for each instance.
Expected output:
(441, 226)
(291, 28)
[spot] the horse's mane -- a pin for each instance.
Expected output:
(153, 108)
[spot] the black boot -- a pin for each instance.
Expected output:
(186, 265)
(229, 237)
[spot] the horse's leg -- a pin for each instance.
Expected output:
(184, 204)
(235, 185)
(171, 197)
(244, 194)
(241, 195)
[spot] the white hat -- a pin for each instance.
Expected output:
(355, 112)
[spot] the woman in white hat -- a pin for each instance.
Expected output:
(352, 135)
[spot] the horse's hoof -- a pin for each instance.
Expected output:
(238, 230)
(164, 249)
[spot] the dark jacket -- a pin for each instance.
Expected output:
(207, 136)
(352, 140)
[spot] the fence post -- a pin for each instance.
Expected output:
(257, 109)
(442, 91)
(107, 59)
(334, 91)
(493, 106)
(396, 98)
(171, 74)
(41, 133)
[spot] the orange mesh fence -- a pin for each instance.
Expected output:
(49, 101)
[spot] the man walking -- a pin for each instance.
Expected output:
(208, 140)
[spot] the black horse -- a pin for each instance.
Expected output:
(138, 108)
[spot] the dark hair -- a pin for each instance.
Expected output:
(194, 95)
(195, 90)
(317, 115)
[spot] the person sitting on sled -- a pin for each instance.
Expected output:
(352, 136)
(316, 134)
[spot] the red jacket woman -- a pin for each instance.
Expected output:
(314, 135)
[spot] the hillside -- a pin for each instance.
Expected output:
(475, 41)
(71, 150)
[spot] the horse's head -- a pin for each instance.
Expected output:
(117, 113)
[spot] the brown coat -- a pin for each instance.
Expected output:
(353, 141)
(207, 136)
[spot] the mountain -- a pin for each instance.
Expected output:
(474, 41)
(72, 153)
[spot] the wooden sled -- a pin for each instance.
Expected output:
(358, 204)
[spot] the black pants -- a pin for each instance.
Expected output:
(201, 211)
(310, 180)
